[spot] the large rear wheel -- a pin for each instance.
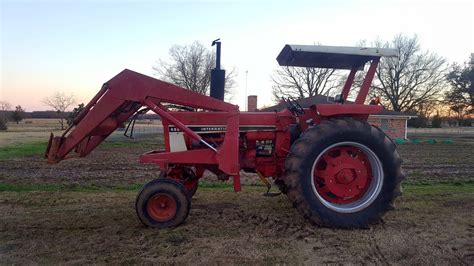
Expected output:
(343, 173)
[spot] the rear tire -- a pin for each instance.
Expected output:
(162, 203)
(343, 173)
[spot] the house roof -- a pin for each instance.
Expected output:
(337, 57)
(319, 99)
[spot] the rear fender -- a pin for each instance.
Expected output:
(357, 111)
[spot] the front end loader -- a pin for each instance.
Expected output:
(335, 168)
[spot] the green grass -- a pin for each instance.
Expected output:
(39, 147)
(65, 188)
(438, 188)
(22, 150)
(408, 189)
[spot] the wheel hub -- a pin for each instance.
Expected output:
(162, 207)
(343, 174)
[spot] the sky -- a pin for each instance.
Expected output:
(75, 46)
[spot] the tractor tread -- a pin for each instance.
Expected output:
(297, 163)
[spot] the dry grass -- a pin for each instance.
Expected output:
(29, 131)
(38, 130)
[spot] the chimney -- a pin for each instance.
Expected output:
(252, 103)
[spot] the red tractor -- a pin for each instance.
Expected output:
(335, 168)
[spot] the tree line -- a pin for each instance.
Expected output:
(59, 102)
(417, 81)
(15, 115)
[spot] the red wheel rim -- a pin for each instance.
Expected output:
(343, 174)
(162, 207)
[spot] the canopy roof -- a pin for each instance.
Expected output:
(330, 56)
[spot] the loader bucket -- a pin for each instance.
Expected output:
(53, 147)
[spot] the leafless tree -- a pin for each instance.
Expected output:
(190, 67)
(427, 109)
(60, 102)
(4, 108)
(302, 82)
(414, 78)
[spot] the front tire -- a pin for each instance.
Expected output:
(343, 173)
(162, 203)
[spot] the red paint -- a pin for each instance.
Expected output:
(348, 84)
(238, 143)
(342, 174)
(328, 110)
(162, 207)
(364, 89)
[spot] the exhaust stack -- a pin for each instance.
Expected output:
(217, 75)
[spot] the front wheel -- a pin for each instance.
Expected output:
(343, 173)
(162, 203)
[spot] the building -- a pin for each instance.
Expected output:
(394, 124)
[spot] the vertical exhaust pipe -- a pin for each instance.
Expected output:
(217, 74)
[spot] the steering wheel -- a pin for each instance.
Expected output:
(293, 106)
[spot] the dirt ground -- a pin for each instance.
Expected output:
(225, 227)
(433, 222)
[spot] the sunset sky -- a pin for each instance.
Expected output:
(75, 46)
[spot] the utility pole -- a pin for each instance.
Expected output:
(246, 97)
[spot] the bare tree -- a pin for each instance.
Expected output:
(4, 108)
(190, 67)
(302, 82)
(427, 109)
(413, 78)
(60, 102)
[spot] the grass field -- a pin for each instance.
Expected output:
(82, 211)
(38, 130)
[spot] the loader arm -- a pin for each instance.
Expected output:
(117, 101)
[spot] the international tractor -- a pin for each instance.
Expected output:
(335, 168)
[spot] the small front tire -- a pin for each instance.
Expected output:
(162, 203)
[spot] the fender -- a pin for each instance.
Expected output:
(329, 110)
